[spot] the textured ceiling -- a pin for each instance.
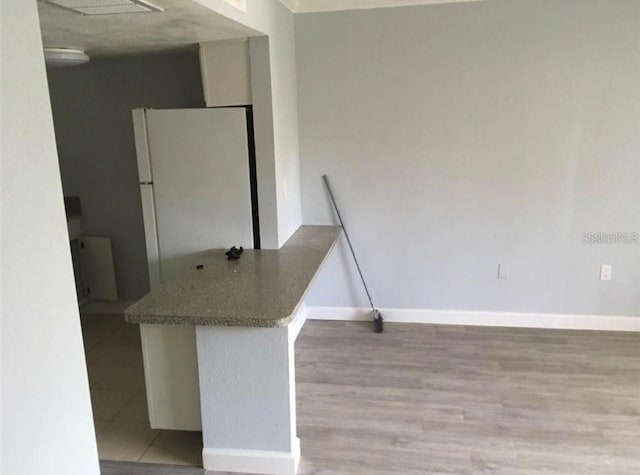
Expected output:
(183, 23)
(301, 6)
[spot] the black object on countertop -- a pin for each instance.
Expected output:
(234, 253)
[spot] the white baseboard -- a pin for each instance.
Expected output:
(252, 461)
(476, 318)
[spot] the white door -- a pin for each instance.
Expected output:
(200, 175)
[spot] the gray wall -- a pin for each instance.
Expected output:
(462, 136)
(92, 117)
(47, 426)
(253, 408)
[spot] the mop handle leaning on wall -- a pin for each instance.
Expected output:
(377, 316)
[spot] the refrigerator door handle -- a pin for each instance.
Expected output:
(151, 235)
(140, 133)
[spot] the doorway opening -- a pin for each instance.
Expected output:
(132, 64)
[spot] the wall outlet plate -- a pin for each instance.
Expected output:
(606, 271)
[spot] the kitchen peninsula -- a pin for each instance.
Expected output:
(247, 315)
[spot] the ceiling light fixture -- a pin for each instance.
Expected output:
(58, 57)
(106, 7)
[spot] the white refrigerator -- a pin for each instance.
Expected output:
(198, 188)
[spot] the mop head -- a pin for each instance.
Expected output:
(377, 320)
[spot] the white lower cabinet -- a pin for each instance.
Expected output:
(171, 376)
(93, 268)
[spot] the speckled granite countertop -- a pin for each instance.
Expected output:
(262, 289)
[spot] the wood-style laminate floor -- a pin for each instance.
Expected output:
(423, 399)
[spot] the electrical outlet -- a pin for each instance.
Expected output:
(606, 271)
(503, 271)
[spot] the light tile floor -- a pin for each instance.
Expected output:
(116, 379)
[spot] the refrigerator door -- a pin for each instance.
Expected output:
(202, 197)
(139, 117)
